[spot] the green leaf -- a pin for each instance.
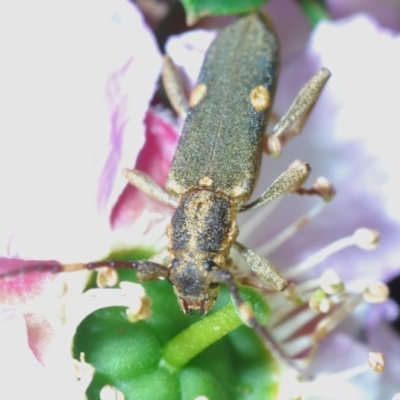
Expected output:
(196, 9)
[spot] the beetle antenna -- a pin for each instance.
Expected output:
(147, 270)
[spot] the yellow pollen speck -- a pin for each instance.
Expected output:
(206, 182)
(197, 94)
(237, 191)
(260, 98)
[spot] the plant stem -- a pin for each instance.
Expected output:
(197, 337)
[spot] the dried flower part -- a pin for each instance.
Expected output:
(376, 361)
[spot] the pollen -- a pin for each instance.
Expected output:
(260, 98)
(206, 182)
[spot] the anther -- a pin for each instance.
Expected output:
(330, 282)
(107, 277)
(376, 361)
(376, 292)
(367, 239)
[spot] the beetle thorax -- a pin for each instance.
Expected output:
(201, 233)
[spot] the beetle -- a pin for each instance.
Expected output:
(217, 163)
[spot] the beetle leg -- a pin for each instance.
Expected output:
(247, 315)
(262, 267)
(162, 258)
(172, 81)
(289, 181)
(295, 118)
(143, 182)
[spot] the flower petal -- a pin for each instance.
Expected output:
(76, 82)
(22, 375)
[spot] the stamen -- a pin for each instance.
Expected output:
(289, 231)
(356, 239)
(331, 321)
(257, 218)
(320, 302)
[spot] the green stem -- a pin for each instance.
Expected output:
(197, 337)
(315, 11)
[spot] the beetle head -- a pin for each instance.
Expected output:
(191, 276)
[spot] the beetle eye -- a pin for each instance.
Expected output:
(174, 263)
(213, 285)
(208, 265)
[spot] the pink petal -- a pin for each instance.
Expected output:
(154, 159)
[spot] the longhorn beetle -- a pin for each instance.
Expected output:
(217, 163)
